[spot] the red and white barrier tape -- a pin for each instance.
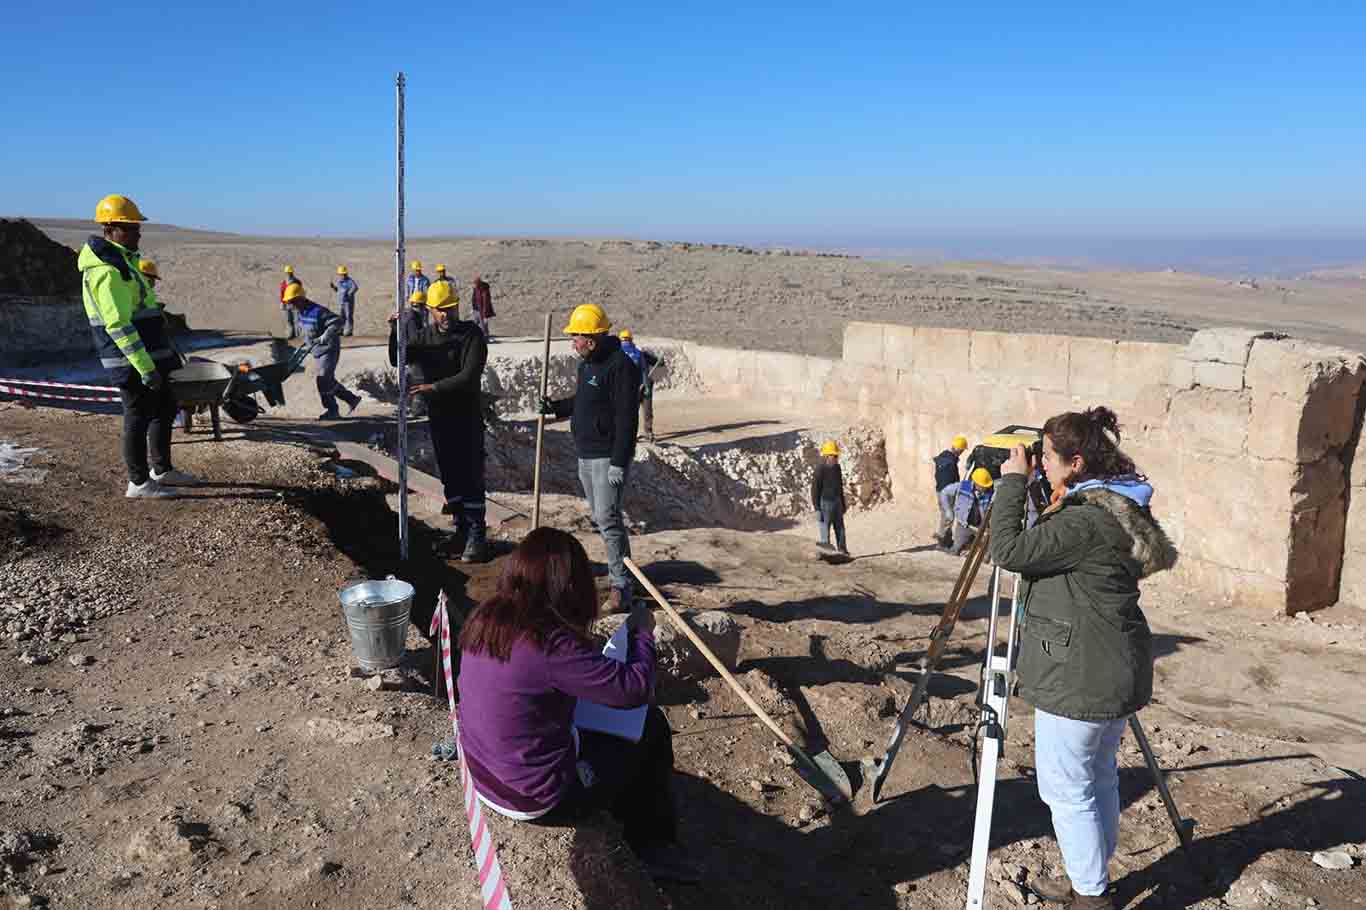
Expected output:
(61, 385)
(492, 886)
(18, 392)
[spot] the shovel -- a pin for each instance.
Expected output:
(821, 770)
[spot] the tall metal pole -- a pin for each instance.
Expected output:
(399, 304)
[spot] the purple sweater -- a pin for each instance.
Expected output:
(516, 716)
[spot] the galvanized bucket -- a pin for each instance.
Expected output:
(377, 616)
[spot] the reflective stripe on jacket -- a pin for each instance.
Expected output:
(126, 322)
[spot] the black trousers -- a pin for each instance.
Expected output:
(458, 444)
(148, 417)
(633, 781)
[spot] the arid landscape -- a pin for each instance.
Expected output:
(181, 723)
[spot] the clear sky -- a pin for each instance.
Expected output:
(874, 125)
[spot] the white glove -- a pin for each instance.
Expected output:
(616, 476)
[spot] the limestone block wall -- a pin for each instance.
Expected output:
(1252, 440)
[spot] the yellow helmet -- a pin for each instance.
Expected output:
(960, 442)
(588, 319)
(149, 268)
(982, 477)
(830, 447)
(440, 267)
(294, 291)
(417, 265)
(289, 270)
(418, 297)
(117, 209)
(341, 270)
(625, 335)
(441, 297)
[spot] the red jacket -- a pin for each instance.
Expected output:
(482, 299)
(284, 284)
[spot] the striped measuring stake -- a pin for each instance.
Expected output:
(492, 886)
(21, 392)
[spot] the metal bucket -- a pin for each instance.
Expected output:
(377, 616)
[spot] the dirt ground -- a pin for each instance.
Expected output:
(180, 727)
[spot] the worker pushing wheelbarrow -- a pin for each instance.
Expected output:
(209, 385)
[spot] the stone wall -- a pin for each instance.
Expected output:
(36, 330)
(1249, 438)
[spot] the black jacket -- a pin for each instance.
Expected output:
(945, 469)
(453, 362)
(828, 484)
(604, 404)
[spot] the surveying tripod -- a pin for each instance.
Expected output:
(993, 699)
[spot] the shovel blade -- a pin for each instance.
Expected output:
(823, 773)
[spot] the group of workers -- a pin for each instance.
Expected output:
(1085, 654)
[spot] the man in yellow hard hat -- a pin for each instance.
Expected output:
(646, 362)
(970, 507)
(827, 498)
(443, 278)
(449, 356)
(149, 270)
(131, 340)
(321, 329)
(416, 280)
(604, 412)
(946, 480)
(345, 288)
(289, 312)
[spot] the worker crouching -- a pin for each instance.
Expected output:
(449, 354)
(526, 659)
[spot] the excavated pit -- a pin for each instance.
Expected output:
(716, 462)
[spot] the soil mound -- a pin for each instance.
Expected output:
(33, 265)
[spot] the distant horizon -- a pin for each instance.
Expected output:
(1252, 254)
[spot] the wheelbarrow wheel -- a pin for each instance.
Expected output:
(242, 410)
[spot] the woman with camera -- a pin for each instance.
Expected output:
(1085, 653)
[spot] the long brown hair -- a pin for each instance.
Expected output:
(1094, 435)
(546, 584)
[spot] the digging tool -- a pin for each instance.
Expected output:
(540, 430)
(939, 640)
(821, 771)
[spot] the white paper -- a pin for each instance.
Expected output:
(628, 723)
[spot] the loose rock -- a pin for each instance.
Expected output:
(1335, 860)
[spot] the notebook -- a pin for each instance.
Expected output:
(628, 723)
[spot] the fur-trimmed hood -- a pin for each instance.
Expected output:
(1152, 549)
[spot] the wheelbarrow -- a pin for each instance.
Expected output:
(204, 384)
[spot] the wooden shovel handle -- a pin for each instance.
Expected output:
(711, 658)
(540, 430)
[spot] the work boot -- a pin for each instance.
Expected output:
(332, 414)
(1058, 890)
(476, 550)
(619, 601)
(148, 489)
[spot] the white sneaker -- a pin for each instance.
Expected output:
(176, 478)
(149, 490)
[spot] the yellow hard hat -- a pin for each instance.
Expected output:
(116, 209)
(148, 268)
(960, 443)
(830, 447)
(418, 297)
(417, 265)
(289, 270)
(341, 270)
(440, 267)
(625, 335)
(441, 297)
(588, 319)
(294, 291)
(982, 477)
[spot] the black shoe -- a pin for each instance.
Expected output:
(330, 415)
(476, 551)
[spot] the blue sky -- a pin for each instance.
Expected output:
(879, 125)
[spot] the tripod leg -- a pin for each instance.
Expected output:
(1161, 781)
(997, 694)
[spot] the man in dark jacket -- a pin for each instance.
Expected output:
(827, 496)
(946, 480)
(481, 305)
(450, 356)
(604, 414)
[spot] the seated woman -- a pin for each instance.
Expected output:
(525, 660)
(1085, 652)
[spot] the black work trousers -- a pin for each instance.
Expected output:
(458, 443)
(633, 781)
(148, 417)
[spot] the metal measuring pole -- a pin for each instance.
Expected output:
(399, 304)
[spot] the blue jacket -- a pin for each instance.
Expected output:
(316, 320)
(346, 290)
